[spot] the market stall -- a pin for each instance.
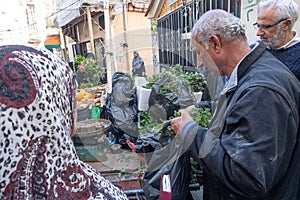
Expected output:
(122, 167)
(134, 136)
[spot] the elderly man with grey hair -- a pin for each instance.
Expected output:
(252, 146)
(275, 22)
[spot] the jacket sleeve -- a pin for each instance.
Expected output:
(253, 152)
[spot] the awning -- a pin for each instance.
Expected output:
(67, 11)
(52, 42)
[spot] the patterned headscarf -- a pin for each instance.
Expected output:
(37, 155)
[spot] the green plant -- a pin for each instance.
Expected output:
(149, 124)
(154, 78)
(93, 72)
(202, 116)
(78, 59)
(195, 81)
(146, 118)
(170, 80)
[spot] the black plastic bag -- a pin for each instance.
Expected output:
(168, 159)
(147, 143)
(162, 105)
(121, 109)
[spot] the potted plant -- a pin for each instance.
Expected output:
(195, 80)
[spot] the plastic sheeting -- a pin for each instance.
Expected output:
(121, 107)
(171, 160)
(68, 10)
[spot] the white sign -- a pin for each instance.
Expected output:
(118, 9)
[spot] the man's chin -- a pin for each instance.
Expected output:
(267, 43)
(270, 46)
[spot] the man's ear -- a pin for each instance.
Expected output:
(215, 42)
(287, 24)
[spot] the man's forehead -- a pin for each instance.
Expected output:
(267, 13)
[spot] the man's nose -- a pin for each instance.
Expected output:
(260, 32)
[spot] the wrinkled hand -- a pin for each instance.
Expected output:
(190, 108)
(179, 122)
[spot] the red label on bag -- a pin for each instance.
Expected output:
(165, 188)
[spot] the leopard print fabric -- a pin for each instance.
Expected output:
(37, 156)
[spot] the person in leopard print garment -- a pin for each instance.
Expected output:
(37, 155)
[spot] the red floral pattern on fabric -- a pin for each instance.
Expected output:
(37, 155)
(17, 87)
(21, 183)
(69, 184)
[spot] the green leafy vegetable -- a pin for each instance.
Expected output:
(196, 81)
(202, 116)
(78, 59)
(93, 72)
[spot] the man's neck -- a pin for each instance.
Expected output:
(240, 50)
(289, 37)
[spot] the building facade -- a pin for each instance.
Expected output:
(111, 30)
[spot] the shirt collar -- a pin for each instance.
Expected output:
(233, 80)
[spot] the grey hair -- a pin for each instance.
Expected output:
(285, 9)
(221, 23)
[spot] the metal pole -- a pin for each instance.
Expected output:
(90, 27)
(125, 47)
(108, 52)
(65, 49)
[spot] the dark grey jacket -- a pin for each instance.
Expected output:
(252, 148)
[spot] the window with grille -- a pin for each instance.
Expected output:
(174, 29)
